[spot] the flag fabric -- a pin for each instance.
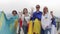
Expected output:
(8, 26)
(37, 26)
(30, 27)
(2, 24)
(36, 17)
(34, 27)
(20, 22)
(53, 28)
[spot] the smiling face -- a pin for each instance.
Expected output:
(37, 7)
(25, 11)
(45, 10)
(14, 12)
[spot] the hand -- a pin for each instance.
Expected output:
(2, 11)
(32, 8)
(47, 27)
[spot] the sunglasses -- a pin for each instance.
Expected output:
(37, 7)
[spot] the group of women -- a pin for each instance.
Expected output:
(35, 23)
(38, 22)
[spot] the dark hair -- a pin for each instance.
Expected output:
(14, 11)
(51, 12)
(24, 10)
(37, 6)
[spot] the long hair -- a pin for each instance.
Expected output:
(24, 10)
(44, 9)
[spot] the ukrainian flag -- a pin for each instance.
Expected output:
(2, 24)
(30, 28)
(8, 26)
(37, 27)
(34, 28)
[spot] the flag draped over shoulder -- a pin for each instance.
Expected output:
(2, 23)
(37, 26)
(53, 28)
(36, 18)
(34, 28)
(30, 27)
(8, 26)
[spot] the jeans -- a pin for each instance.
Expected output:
(25, 29)
(19, 30)
(47, 30)
(42, 31)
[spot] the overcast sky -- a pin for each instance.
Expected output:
(9, 5)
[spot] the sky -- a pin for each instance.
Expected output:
(8, 5)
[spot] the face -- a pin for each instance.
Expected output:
(51, 12)
(25, 11)
(37, 7)
(45, 10)
(14, 12)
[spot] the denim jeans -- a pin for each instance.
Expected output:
(47, 30)
(25, 29)
(42, 31)
(19, 30)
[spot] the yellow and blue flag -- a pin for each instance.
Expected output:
(8, 26)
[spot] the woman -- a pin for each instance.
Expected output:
(46, 21)
(9, 25)
(25, 20)
(36, 18)
(53, 29)
(13, 22)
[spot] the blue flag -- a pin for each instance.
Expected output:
(8, 26)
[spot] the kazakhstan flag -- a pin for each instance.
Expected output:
(8, 26)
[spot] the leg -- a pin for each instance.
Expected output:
(25, 29)
(46, 31)
(42, 31)
(19, 31)
(49, 30)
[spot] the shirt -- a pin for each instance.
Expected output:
(25, 19)
(46, 21)
(36, 15)
(54, 22)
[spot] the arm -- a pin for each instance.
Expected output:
(4, 15)
(54, 22)
(32, 17)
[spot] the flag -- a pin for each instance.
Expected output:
(20, 22)
(8, 26)
(30, 27)
(2, 23)
(37, 26)
(53, 28)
